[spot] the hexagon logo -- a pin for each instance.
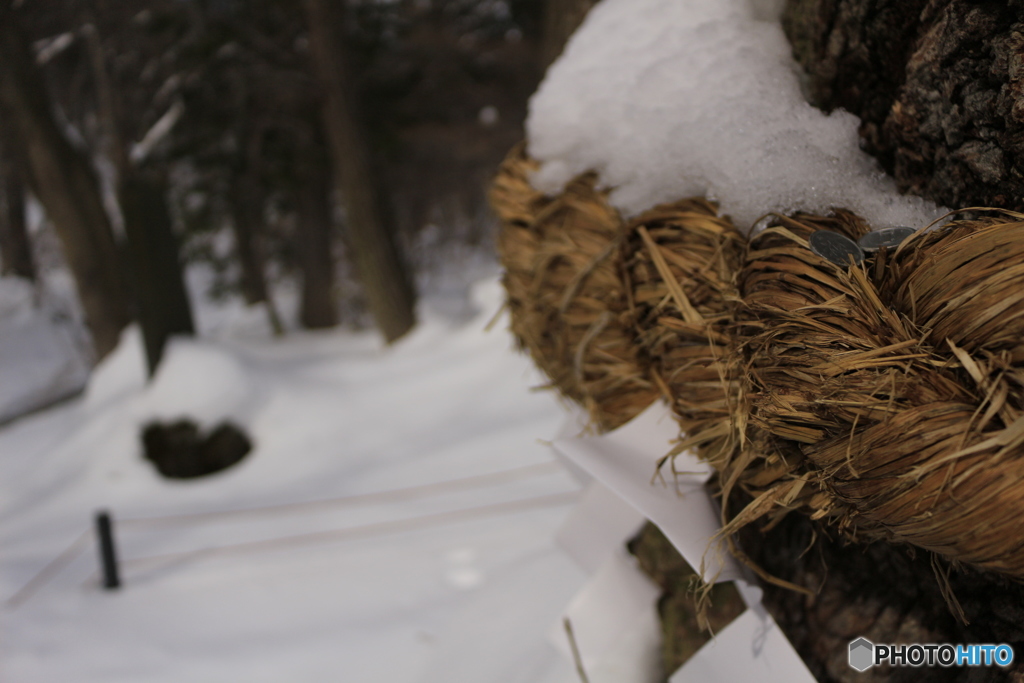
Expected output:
(862, 654)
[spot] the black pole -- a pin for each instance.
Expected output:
(108, 557)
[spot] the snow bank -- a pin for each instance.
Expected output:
(398, 589)
(42, 359)
(197, 379)
(674, 98)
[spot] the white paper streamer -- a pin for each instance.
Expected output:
(624, 461)
(615, 624)
(751, 648)
(608, 615)
(597, 526)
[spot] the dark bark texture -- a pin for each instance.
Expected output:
(885, 594)
(938, 85)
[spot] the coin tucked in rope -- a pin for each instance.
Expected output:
(890, 238)
(838, 249)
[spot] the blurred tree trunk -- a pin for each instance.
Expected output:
(163, 305)
(247, 215)
(247, 204)
(15, 246)
(66, 185)
(561, 19)
(315, 249)
(158, 286)
(388, 288)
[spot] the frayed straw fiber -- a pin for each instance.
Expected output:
(886, 399)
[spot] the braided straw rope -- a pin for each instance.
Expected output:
(562, 259)
(886, 399)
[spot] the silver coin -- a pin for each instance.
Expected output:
(837, 248)
(890, 238)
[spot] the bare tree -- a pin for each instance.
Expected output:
(389, 291)
(63, 180)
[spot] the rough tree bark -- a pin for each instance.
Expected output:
(939, 86)
(883, 593)
(375, 255)
(15, 246)
(66, 186)
(162, 304)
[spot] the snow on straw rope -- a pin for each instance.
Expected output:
(885, 398)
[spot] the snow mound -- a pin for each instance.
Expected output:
(197, 380)
(42, 359)
(668, 99)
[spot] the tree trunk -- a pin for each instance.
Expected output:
(247, 220)
(246, 196)
(388, 289)
(884, 593)
(314, 245)
(939, 87)
(561, 19)
(15, 246)
(158, 285)
(163, 303)
(66, 186)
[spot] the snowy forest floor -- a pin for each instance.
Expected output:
(455, 582)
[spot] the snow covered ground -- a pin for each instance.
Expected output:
(455, 582)
(45, 353)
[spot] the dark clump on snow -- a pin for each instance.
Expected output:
(179, 451)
